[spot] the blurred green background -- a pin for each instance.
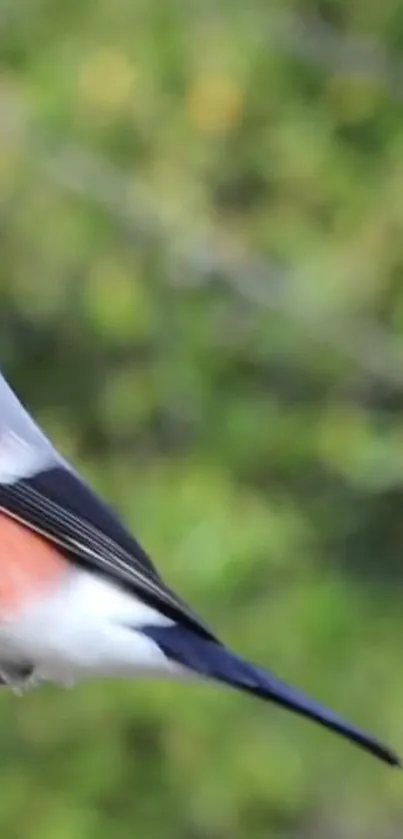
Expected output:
(201, 261)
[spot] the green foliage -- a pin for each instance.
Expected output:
(201, 300)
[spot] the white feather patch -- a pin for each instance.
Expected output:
(18, 459)
(88, 627)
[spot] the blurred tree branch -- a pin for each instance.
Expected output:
(202, 260)
(313, 40)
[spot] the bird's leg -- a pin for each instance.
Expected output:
(19, 679)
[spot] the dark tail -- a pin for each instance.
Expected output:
(213, 661)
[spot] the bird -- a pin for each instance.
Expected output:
(80, 598)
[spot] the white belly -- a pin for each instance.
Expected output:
(88, 627)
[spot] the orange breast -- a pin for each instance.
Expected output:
(29, 566)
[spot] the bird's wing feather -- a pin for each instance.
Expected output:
(39, 488)
(58, 505)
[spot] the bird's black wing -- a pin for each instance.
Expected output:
(56, 503)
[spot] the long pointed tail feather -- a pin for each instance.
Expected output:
(213, 661)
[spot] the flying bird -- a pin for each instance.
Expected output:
(80, 598)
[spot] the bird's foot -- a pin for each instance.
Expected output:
(18, 679)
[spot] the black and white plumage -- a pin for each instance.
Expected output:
(79, 597)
